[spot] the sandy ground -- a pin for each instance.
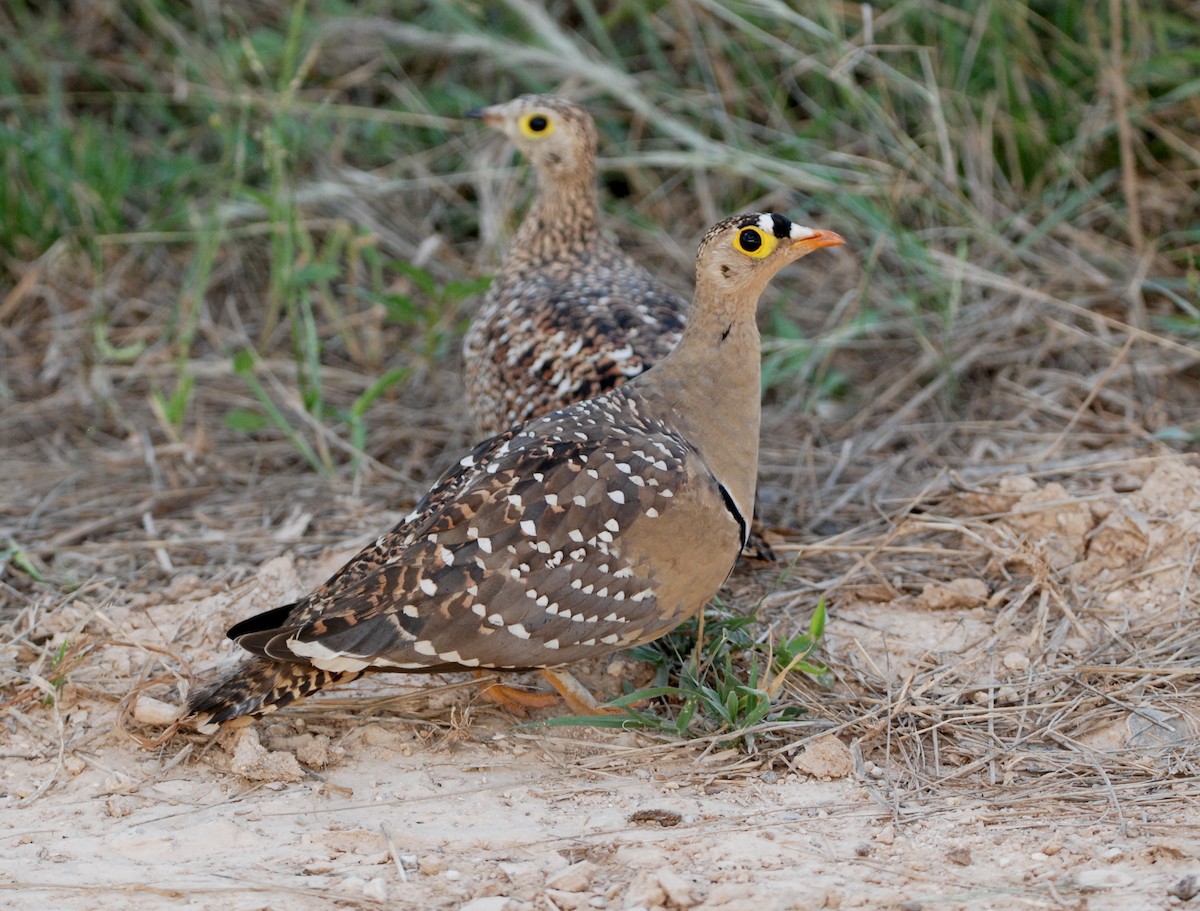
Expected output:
(413, 793)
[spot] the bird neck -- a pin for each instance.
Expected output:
(562, 218)
(710, 384)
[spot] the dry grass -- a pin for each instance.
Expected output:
(1048, 360)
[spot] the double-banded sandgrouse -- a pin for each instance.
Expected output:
(569, 315)
(593, 528)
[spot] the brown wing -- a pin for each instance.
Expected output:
(515, 561)
(554, 335)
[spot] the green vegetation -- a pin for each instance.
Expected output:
(272, 212)
(711, 676)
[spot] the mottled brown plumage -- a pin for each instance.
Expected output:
(569, 315)
(593, 528)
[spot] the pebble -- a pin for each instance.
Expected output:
(149, 710)
(376, 889)
(1016, 661)
(486, 903)
(680, 892)
(575, 878)
(1092, 880)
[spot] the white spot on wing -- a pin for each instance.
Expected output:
(519, 631)
(326, 658)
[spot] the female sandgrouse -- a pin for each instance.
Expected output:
(569, 316)
(593, 528)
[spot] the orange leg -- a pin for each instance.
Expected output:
(573, 693)
(519, 702)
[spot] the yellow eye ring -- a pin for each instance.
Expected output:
(754, 242)
(536, 125)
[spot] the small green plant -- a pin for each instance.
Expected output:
(15, 557)
(712, 677)
(59, 671)
(244, 365)
(431, 309)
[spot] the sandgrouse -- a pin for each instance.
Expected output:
(593, 528)
(569, 315)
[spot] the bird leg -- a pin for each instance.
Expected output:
(575, 694)
(572, 692)
(519, 702)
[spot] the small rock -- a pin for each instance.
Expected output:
(452, 876)
(665, 818)
(487, 903)
(958, 594)
(1186, 889)
(1016, 661)
(575, 878)
(568, 901)
(886, 835)
(862, 849)
(1094, 880)
(253, 762)
(376, 889)
(149, 710)
(959, 854)
(825, 757)
(431, 864)
(314, 751)
(117, 807)
(646, 891)
(680, 892)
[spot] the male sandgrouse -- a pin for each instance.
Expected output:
(596, 527)
(569, 315)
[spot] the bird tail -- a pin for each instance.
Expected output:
(258, 687)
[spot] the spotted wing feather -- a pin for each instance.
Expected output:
(546, 336)
(518, 569)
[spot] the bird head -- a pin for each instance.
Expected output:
(557, 136)
(741, 254)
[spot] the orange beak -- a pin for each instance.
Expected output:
(817, 240)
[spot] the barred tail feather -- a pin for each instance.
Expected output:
(256, 688)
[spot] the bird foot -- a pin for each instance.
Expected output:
(576, 695)
(519, 702)
(757, 546)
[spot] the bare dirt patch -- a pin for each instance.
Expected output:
(1021, 737)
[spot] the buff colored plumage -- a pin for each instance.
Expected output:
(569, 315)
(593, 528)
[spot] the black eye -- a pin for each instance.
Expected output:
(537, 123)
(750, 240)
